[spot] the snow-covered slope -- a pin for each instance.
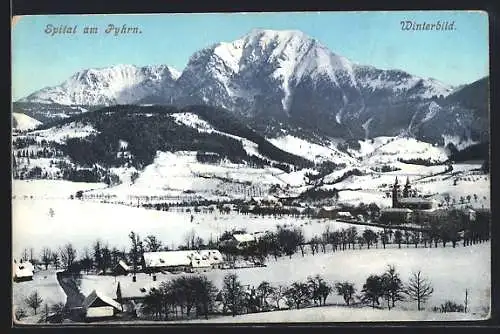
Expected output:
(181, 175)
(401, 148)
(120, 84)
(60, 134)
(311, 151)
(23, 122)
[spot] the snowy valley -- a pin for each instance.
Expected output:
(270, 180)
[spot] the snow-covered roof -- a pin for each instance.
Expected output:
(24, 269)
(416, 200)
(404, 210)
(213, 255)
(245, 237)
(166, 259)
(344, 214)
(196, 263)
(122, 264)
(181, 258)
(95, 295)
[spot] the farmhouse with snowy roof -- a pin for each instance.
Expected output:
(121, 268)
(188, 260)
(239, 240)
(99, 306)
(22, 271)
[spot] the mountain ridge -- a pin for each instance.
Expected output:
(288, 77)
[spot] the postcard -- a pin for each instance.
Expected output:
(300, 167)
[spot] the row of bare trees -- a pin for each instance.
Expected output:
(180, 296)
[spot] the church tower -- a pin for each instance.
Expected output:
(395, 190)
(407, 187)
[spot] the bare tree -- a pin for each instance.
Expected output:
(278, 295)
(352, 234)
(189, 239)
(135, 251)
(25, 255)
(319, 289)
(393, 286)
(34, 300)
(298, 294)
(419, 289)
(68, 255)
(466, 301)
(372, 290)
(346, 290)
(314, 244)
(97, 253)
(46, 257)
(106, 258)
(86, 260)
(55, 259)
(232, 293)
(370, 237)
(153, 244)
(264, 291)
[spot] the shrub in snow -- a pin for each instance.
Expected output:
(451, 306)
(20, 313)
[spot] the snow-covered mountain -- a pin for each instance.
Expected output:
(288, 74)
(277, 77)
(120, 84)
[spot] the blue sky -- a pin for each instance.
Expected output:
(373, 38)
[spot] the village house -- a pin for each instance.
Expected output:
(98, 306)
(121, 268)
(22, 271)
(187, 260)
(240, 240)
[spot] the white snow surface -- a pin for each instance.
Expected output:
(60, 134)
(386, 150)
(24, 122)
(82, 222)
(119, 84)
(50, 189)
(45, 282)
(309, 150)
(174, 173)
(449, 270)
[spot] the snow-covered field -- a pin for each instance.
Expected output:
(50, 189)
(337, 314)
(83, 222)
(450, 271)
(45, 282)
